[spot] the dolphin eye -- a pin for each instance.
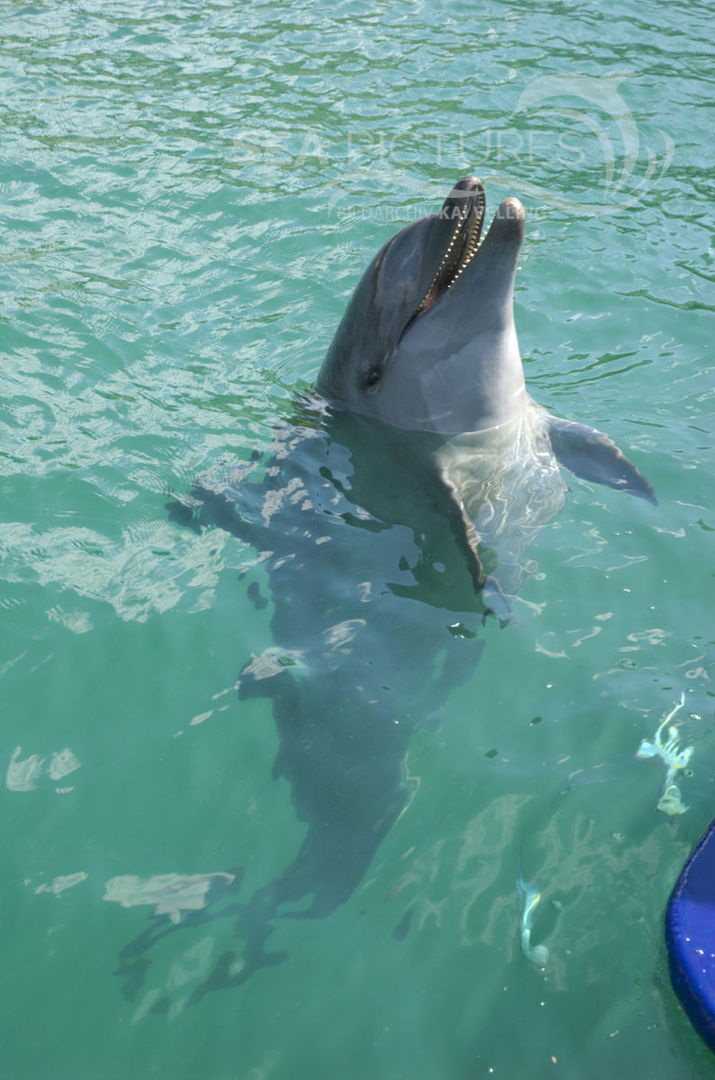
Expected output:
(373, 378)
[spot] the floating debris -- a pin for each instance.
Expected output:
(64, 881)
(62, 763)
(22, 775)
(169, 893)
(530, 897)
(670, 801)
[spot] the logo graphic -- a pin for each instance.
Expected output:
(571, 144)
(603, 135)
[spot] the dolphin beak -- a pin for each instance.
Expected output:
(456, 238)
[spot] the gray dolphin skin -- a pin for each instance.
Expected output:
(391, 517)
(428, 340)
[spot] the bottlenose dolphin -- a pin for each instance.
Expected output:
(428, 340)
(391, 515)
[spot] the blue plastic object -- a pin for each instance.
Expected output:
(690, 937)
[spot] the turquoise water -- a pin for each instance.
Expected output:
(189, 194)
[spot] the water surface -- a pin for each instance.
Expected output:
(189, 194)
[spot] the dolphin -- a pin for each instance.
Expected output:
(428, 340)
(391, 517)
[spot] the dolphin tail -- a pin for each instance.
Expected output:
(590, 454)
(327, 869)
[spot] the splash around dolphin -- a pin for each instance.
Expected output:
(391, 516)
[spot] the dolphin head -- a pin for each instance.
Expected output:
(428, 341)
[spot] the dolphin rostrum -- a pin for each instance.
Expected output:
(391, 516)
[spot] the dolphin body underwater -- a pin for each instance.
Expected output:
(391, 515)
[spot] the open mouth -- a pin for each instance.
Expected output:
(464, 211)
(461, 219)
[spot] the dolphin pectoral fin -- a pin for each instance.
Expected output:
(463, 531)
(468, 543)
(590, 454)
(497, 604)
